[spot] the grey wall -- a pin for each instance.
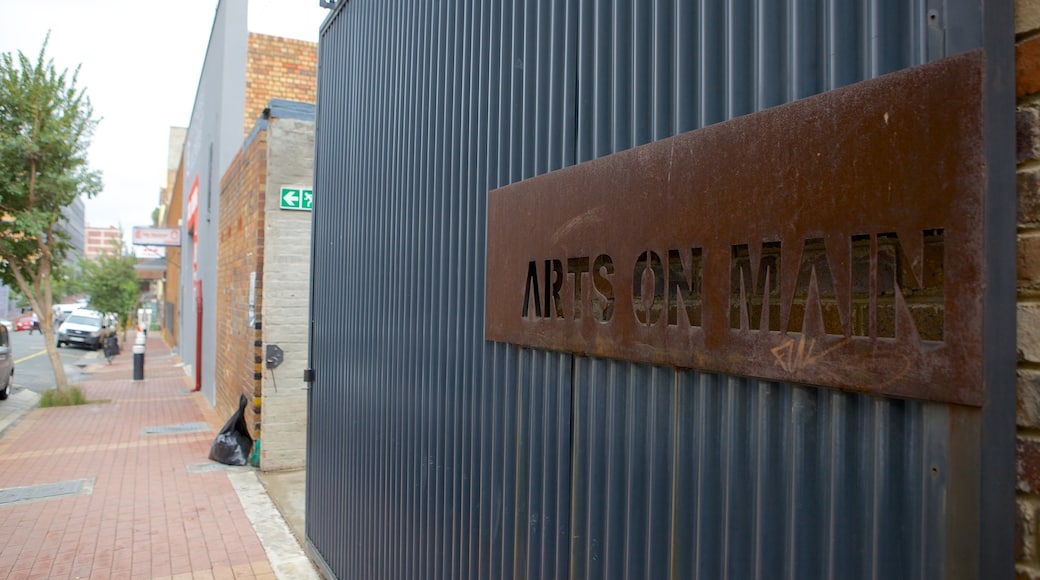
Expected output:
(213, 138)
(435, 454)
(285, 286)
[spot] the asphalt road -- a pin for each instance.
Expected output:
(32, 367)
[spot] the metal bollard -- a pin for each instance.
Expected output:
(139, 357)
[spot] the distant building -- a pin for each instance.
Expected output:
(74, 224)
(170, 210)
(101, 241)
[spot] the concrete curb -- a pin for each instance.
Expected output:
(17, 406)
(286, 556)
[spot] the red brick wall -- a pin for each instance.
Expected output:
(1027, 73)
(238, 359)
(278, 68)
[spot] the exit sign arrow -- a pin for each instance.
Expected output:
(296, 198)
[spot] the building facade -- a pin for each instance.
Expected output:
(262, 269)
(241, 72)
(169, 216)
(100, 241)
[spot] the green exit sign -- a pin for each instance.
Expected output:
(296, 198)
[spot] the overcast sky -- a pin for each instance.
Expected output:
(140, 65)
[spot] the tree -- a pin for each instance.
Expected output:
(46, 124)
(66, 281)
(111, 282)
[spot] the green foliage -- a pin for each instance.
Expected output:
(18, 299)
(46, 124)
(66, 281)
(111, 282)
(66, 398)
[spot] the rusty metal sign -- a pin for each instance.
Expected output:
(833, 241)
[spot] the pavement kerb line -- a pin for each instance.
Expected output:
(25, 400)
(287, 558)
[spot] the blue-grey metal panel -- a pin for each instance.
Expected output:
(624, 469)
(998, 462)
(433, 454)
(771, 480)
(717, 477)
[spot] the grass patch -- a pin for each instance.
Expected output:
(56, 398)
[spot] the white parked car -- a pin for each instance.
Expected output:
(62, 311)
(87, 328)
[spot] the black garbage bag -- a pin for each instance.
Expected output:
(233, 444)
(111, 346)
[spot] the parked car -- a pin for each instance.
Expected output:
(87, 328)
(6, 363)
(23, 322)
(62, 311)
(7, 324)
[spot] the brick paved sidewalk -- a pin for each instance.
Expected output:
(143, 500)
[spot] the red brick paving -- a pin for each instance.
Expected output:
(147, 517)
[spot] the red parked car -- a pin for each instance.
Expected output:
(23, 322)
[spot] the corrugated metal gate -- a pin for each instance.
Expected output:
(435, 454)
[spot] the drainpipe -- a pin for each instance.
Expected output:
(198, 336)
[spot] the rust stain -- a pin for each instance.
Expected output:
(834, 241)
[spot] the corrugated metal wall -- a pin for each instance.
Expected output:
(435, 454)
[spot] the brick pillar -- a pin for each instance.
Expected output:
(1027, 72)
